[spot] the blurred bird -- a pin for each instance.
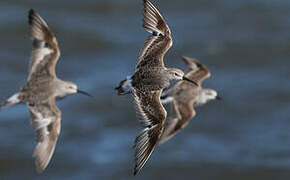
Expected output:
(150, 78)
(41, 90)
(183, 96)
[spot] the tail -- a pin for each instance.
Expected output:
(125, 86)
(11, 101)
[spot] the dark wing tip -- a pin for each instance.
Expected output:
(31, 11)
(34, 18)
(144, 146)
(39, 29)
(144, 3)
(191, 62)
(190, 59)
(135, 172)
(153, 21)
(31, 14)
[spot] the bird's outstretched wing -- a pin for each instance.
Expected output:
(46, 118)
(151, 115)
(183, 96)
(182, 113)
(157, 44)
(45, 48)
(197, 72)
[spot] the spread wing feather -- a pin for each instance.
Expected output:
(157, 44)
(198, 72)
(151, 115)
(182, 107)
(182, 113)
(46, 118)
(45, 48)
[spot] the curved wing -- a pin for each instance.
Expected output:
(45, 48)
(159, 42)
(190, 62)
(198, 72)
(151, 115)
(182, 113)
(167, 95)
(46, 117)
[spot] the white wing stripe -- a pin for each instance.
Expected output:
(38, 55)
(144, 119)
(167, 100)
(43, 122)
(153, 8)
(145, 49)
(14, 98)
(151, 16)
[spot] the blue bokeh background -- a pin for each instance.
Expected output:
(245, 44)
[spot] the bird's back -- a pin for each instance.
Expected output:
(38, 90)
(150, 79)
(187, 91)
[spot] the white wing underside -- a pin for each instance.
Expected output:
(38, 55)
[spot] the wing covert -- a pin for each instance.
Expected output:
(46, 118)
(151, 115)
(45, 52)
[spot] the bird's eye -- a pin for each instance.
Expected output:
(176, 74)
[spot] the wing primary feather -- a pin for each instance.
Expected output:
(151, 115)
(153, 20)
(46, 117)
(144, 146)
(45, 52)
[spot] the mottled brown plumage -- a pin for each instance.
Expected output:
(148, 81)
(41, 90)
(151, 79)
(151, 114)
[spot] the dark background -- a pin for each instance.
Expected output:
(245, 44)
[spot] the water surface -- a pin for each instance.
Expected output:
(245, 44)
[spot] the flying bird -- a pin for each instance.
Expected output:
(150, 78)
(42, 89)
(183, 96)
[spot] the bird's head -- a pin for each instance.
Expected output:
(177, 74)
(68, 88)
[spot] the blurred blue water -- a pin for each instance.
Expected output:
(245, 43)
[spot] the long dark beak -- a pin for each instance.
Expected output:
(84, 93)
(189, 80)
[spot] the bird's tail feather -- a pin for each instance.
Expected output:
(13, 100)
(125, 87)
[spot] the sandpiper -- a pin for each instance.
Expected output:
(150, 78)
(184, 96)
(41, 90)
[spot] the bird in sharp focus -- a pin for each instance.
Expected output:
(147, 83)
